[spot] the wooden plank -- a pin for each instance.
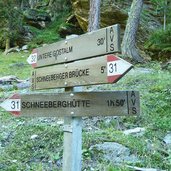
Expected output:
(99, 70)
(100, 42)
(75, 104)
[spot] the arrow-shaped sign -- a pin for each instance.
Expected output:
(99, 70)
(99, 42)
(116, 68)
(32, 59)
(12, 104)
(110, 103)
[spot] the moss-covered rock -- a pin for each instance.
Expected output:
(111, 13)
(36, 18)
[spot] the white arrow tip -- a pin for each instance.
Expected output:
(32, 59)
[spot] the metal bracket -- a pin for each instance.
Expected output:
(68, 128)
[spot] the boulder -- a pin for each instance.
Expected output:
(111, 13)
(25, 47)
(70, 27)
(9, 79)
(135, 131)
(36, 18)
(167, 139)
(10, 82)
(115, 153)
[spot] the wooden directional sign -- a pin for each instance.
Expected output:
(74, 104)
(100, 42)
(99, 70)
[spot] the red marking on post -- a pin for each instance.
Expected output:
(34, 65)
(15, 96)
(34, 51)
(111, 58)
(113, 79)
(15, 113)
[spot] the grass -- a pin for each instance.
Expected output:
(32, 152)
(19, 151)
(15, 64)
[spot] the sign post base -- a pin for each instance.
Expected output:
(72, 140)
(72, 144)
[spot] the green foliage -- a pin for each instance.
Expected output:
(162, 8)
(10, 20)
(160, 39)
(49, 34)
(160, 44)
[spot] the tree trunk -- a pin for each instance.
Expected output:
(165, 11)
(24, 4)
(33, 3)
(94, 15)
(7, 45)
(129, 44)
(50, 3)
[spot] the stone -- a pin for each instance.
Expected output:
(24, 85)
(115, 153)
(136, 131)
(8, 79)
(143, 169)
(111, 13)
(25, 47)
(36, 18)
(69, 30)
(33, 137)
(12, 82)
(167, 139)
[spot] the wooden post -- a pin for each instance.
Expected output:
(72, 140)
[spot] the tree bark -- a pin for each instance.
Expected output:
(128, 46)
(164, 16)
(94, 15)
(24, 4)
(33, 3)
(7, 45)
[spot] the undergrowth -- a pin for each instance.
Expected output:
(49, 34)
(19, 151)
(160, 39)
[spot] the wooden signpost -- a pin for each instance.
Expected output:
(99, 70)
(102, 41)
(109, 103)
(82, 60)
